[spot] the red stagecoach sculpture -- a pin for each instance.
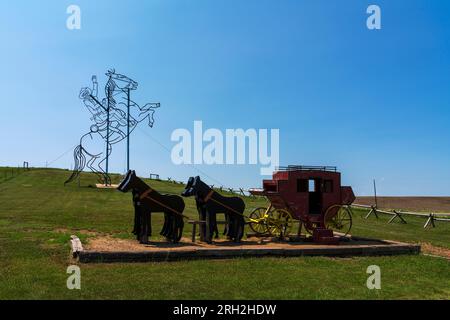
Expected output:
(311, 194)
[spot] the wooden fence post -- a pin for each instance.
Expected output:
(397, 214)
(430, 221)
(373, 209)
(350, 209)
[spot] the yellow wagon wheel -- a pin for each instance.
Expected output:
(257, 220)
(338, 218)
(279, 222)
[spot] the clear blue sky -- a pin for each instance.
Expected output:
(374, 103)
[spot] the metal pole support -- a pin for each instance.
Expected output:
(128, 129)
(107, 133)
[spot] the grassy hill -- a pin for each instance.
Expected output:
(38, 215)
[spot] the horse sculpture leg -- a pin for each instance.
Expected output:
(235, 225)
(149, 224)
(230, 226)
(99, 174)
(175, 231)
(137, 221)
(213, 224)
(137, 215)
(179, 221)
(170, 226)
(210, 224)
(143, 236)
(208, 233)
(165, 229)
(202, 227)
(105, 175)
(80, 163)
(240, 229)
(173, 227)
(180, 226)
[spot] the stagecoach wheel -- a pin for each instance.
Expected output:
(257, 221)
(338, 218)
(280, 222)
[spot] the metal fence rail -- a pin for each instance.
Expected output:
(240, 191)
(431, 217)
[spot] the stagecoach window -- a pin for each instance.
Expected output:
(328, 186)
(302, 185)
(312, 185)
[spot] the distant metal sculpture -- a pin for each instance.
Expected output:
(115, 117)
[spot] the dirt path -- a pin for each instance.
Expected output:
(435, 251)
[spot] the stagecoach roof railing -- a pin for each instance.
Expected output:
(306, 168)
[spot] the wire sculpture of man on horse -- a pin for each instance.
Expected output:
(114, 118)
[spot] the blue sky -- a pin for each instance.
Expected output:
(373, 103)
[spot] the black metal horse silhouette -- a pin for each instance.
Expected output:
(147, 200)
(209, 203)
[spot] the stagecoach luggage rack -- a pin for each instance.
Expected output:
(306, 168)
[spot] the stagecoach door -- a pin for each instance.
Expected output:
(315, 196)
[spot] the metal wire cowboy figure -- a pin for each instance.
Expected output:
(114, 118)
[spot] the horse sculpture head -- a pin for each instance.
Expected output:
(121, 81)
(196, 187)
(188, 190)
(129, 182)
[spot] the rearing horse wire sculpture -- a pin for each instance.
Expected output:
(109, 123)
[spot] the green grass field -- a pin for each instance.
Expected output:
(38, 215)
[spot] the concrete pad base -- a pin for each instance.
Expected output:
(109, 250)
